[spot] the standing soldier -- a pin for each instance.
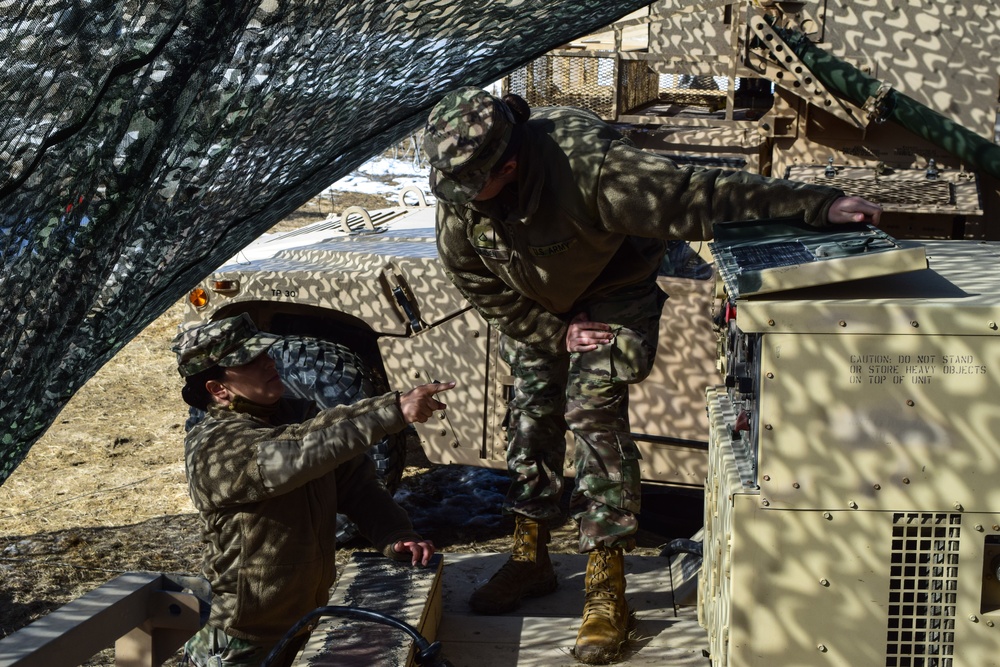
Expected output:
(554, 229)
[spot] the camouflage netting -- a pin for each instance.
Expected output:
(143, 142)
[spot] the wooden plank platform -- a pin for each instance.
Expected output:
(543, 631)
(539, 634)
(372, 581)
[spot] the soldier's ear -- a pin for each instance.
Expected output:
(509, 168)
(218, 391)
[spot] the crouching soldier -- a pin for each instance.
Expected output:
(268, 475)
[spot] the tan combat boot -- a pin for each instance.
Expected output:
(605, 613)
(527, 573)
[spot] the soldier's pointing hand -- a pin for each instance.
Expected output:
(419, 403)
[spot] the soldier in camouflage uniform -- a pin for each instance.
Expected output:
(554, 227)
(268, 476)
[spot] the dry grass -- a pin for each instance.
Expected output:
(111, 456)
(103, 491)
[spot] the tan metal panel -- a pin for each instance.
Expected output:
(942, 54)
(455, 350)
(670, 402)
(722, 486)
(859, 588)
(356, 283)
(863, 527)
(880, 422)
(686, 27)
(957, 295)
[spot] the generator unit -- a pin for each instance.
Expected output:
(852, 505)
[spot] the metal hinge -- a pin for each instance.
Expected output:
(404, 299)
(878, 107)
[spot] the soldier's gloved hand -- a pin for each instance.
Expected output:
(418, 404)
(583, 335)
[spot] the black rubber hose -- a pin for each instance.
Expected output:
(427, 653)
(682, 546)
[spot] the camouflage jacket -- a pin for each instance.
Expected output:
(269, 490)
(589, 215)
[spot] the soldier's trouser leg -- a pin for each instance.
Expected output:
(607, 459)
(607, 462)
(536, 432)
(536, 450)
(211, 647)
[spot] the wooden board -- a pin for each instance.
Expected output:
(372, 581)
(539, 634)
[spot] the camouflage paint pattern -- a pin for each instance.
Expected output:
(588, 394)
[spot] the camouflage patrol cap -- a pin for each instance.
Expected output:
(233, 341)
(465, 136)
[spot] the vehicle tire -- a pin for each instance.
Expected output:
(331, 374)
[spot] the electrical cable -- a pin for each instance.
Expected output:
(427, 653)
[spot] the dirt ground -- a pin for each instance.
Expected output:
(103, 492)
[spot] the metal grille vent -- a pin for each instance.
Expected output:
(897, 192)
(923, 590)
(598, 83)
(579, 81)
